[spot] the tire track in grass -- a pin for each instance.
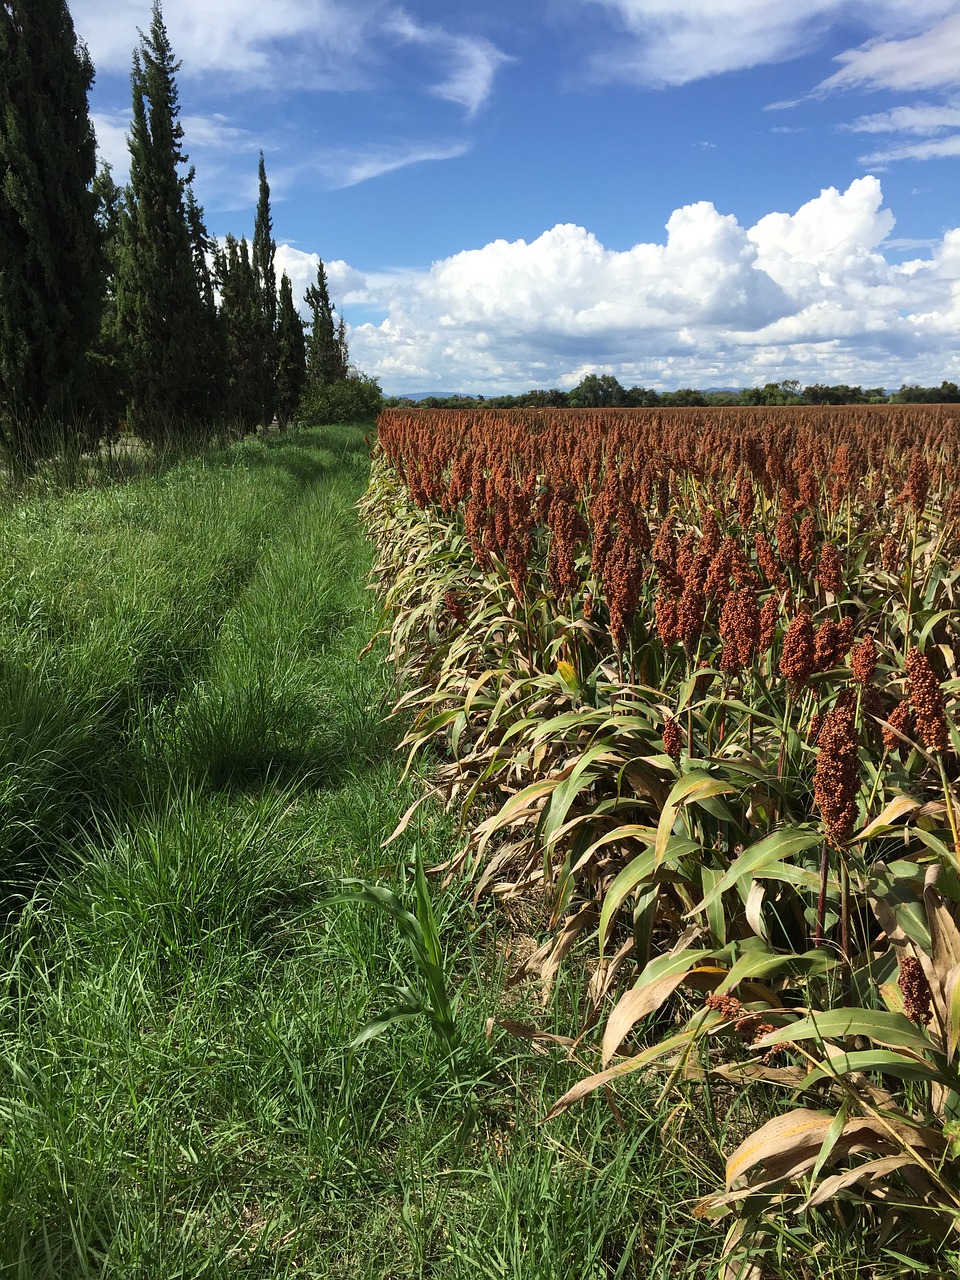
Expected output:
(109, 601)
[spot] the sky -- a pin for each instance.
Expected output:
(509, 194)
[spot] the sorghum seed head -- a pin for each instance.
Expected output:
(899, 718)
(836, 777)
(797, 655)
(926, 699)
(727, 1006)
(829, 573)
(863, 661)
(672, 738)
(916, 991)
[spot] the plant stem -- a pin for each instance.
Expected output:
(822, 896)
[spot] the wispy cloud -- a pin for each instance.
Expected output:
(212, 136)
(471, 83)
(111, 130)
(922, 120)
(472, 60)
(287, 44)
(930, 60)
(674, 42)
(348, 167)
(283, 41)
(931, 149)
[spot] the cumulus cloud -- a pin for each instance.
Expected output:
(673, 42)
(810, 294)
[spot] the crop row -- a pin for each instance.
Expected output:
(694, 679)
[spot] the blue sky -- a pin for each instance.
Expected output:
(510, 195)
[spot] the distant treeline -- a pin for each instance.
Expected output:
(596, 392)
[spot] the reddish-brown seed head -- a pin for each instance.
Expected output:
(863, 660)
(797, 660)
(926, 698)
(672, 738)
(917, 995)
(835, 777)
(829, 573)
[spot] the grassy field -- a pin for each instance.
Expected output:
(193, 760)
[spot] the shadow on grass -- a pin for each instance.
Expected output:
(305, 454)
(265, 732)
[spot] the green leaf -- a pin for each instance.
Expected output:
(830, 1139)
(762, 961)
(760, 858)
(890, 1029)
(638, 869)
(885, 1061)
(689, 789)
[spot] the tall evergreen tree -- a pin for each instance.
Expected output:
(343, 351)
(325, 362)
(107, 395)
(265, 272)
(245, 333)
(265, 249)
(51, 268)
(165, 325)
(214, 354)
(291, 354)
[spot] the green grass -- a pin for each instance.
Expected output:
(196, 765)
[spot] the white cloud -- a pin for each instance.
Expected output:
(212, 140)
(673, 42)
(473, 61)
(287, 44)
(247, 38)
(471, 81)
(922, 120)
(348, 167)
(926, 61)
(111, 130)
(810, 295)
(932, 149)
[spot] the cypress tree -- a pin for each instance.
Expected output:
(164, 324)
(343, 351)
(291, 354)
(265, 273)
(245, 333)
(108, 375)
(216, 378)
(324, 355)
(51, 269)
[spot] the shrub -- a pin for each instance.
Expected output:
(353, 399)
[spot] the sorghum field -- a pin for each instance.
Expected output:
(691, 682)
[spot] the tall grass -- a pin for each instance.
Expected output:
(110, 600)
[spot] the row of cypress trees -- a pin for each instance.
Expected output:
(116, 307)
